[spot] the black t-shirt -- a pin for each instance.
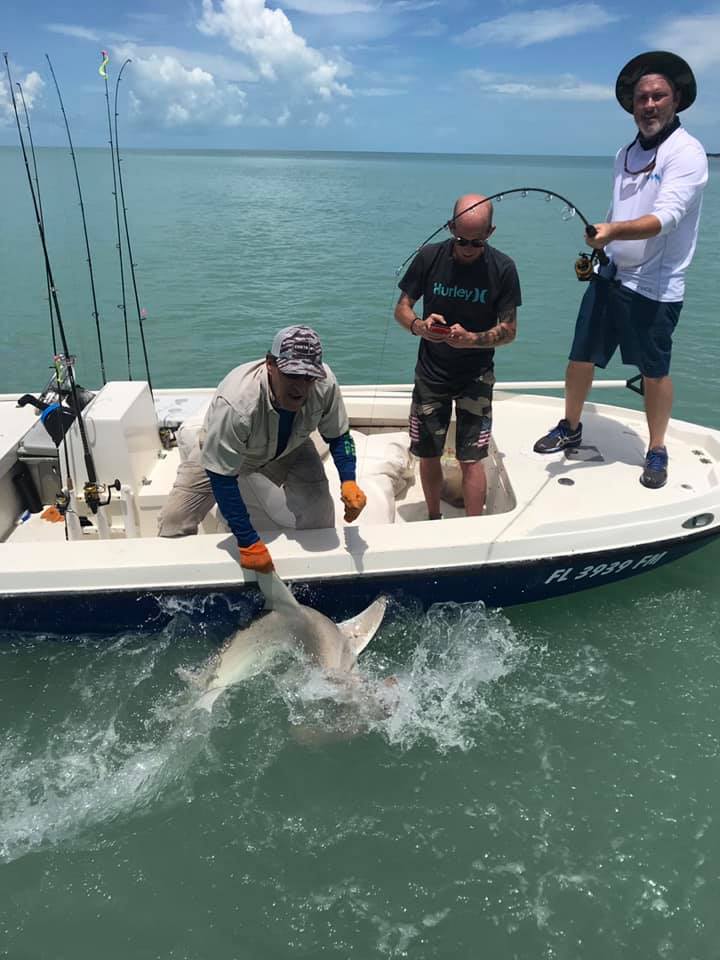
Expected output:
(469, 294)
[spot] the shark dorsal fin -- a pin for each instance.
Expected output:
(360, 630)
(276, 592)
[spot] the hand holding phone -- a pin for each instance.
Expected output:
(439, 328)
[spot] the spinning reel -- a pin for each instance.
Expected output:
(585, 263)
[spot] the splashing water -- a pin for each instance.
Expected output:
(436, 690)
(112, 736)
(105, 738)
(445, 693)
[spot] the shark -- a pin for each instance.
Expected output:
(284, 624)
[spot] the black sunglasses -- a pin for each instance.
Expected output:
(464, 242)
(308, 377)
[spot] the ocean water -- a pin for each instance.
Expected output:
(546, 787)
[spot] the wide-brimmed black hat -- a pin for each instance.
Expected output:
(670, 65)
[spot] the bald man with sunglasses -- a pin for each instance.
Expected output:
(470, 293)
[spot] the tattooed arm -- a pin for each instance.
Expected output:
(504, 332)
(407, 318)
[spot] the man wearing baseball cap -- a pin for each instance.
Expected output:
(259, 421)
(635, 300)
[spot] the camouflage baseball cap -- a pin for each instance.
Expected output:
(297, 350)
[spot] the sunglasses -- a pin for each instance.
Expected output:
(299, 376)
(646, 169)
(464, 242)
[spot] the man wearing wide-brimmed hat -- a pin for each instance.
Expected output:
(634, 302)
(259, 422)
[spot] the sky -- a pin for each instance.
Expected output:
(445, 76)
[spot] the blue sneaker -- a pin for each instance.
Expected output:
(654, 474)
(559, 438)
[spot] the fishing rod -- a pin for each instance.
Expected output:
(96, 315)
(121, 306)
(92, 489)
(40, 209)
(61, 417)
(140, 313)
(584, 263)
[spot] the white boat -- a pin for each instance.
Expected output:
(553, 524)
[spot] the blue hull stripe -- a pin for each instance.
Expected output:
(496, 585)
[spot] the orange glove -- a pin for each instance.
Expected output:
(256, 557)
(354, 500)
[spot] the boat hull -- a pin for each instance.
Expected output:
(494, 584)
(553, 525)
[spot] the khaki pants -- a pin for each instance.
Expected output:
(307, 502)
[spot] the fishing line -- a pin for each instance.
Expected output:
(37, 187)
(87, 455)
(121, 306)
(140, 313)
(96, 315)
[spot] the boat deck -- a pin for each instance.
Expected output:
(539, 508)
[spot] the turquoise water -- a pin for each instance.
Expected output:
(547, 785)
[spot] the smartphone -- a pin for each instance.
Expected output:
(440, 328)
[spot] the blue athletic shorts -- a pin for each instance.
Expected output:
(611, 315)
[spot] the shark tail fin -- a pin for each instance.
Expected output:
(361, 629)
(207, 700)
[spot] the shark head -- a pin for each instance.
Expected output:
(334, 647)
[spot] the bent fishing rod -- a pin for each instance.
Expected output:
(140, 313)
(96, 314)
(92, 491)
(583, 265)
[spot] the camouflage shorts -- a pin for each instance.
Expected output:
(430, 414)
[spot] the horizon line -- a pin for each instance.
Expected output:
(312, 150)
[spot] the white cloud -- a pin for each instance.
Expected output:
(430, 28)
(322, 119)
(693, 37)
(524, 28)
(330, 7)
(70, 30)
(32, 86)
(227, 68)
(380, 92)
(414, 5)
(223, 68)
(565, 87)
(164, 91)
(146, 17)
(268, 38)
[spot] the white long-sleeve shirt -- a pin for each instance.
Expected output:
(671, 191)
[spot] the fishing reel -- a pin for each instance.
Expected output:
(585, 264)
(62, 502)
(94, 491)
